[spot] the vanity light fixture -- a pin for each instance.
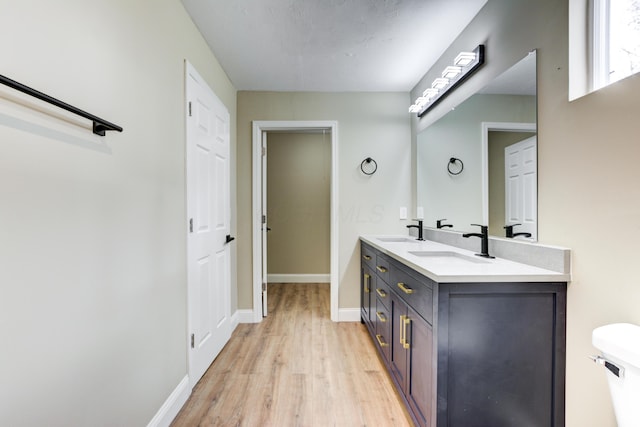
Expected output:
(430, 93)
(451, 72)
(464, 58)
(440, 83)
(463, 66)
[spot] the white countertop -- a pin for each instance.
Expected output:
(458, 265)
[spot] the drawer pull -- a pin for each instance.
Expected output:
(382, 293)
(402, 329)
(367, 280)
(366, 257)
(404, 288)
(381, 269)
(382, 343)
(381, 316)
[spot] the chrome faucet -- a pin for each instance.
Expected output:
(484, 235)
(510, 234)
(419, 227)
(439, 224)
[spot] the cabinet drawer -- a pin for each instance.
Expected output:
(382, 292)
(383, 328)
(368, 256)
(416, 292)
(382, 267)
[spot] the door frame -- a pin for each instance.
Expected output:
(484, 148)
(256, 220)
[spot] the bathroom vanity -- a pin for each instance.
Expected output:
(467, 341)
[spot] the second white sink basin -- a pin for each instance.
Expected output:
(449, 256)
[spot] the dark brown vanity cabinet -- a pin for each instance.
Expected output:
(469, 354)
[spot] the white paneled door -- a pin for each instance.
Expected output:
(521, 184)
(208, 214)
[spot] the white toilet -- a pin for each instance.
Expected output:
(620, 347)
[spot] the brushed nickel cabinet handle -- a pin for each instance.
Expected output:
(405, 288)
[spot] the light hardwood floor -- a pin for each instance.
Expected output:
(296, 368)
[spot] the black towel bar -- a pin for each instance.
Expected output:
(99, 125)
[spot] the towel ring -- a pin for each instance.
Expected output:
(453, 161)
(368, 166)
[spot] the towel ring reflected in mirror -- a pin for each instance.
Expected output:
(368, 166)
(455, 166)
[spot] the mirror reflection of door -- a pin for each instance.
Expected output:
(517, 203)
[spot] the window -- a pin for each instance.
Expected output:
(615, 40)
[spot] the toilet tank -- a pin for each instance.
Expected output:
(620, 347)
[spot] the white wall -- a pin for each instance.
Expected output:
(588, 192)
(369, 124)
(92, 230)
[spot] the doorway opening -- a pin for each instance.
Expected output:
(298, 207)
(259, 213)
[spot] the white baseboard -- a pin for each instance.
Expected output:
(244, 316)
(172, 405)
(348, 315)
(234, 321)
(299, 278)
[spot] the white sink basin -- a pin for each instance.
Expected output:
(397, 239)
(448, 256)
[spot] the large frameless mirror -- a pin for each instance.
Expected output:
(478, 163)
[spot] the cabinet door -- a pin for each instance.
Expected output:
(419, 378)
(366, 295)
(372, 299)
(398, 352)
(383, 328)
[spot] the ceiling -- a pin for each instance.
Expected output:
(329, 45)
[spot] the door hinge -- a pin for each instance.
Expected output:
(191, 225)
(264, 219)
(189, 108)
(264, 151)
(264, 287)
(193, 340)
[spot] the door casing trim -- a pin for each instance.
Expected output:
(256, 217)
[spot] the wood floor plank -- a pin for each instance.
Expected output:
(296, 368)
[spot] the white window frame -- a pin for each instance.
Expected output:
(601, 72)
(599, 43)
